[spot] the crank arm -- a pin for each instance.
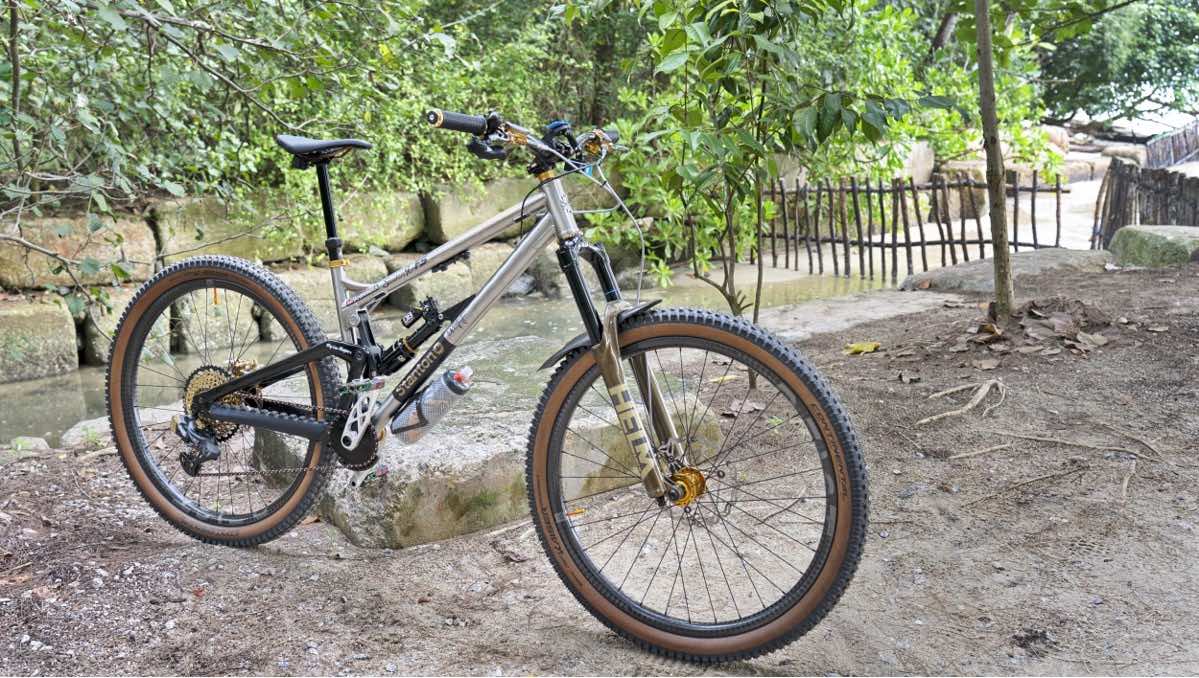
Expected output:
(607, 355)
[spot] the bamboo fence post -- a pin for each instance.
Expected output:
(857, 219)
(1032, 211)
(774, 221)
(935, 211)
(1057, 193)
(962, 220)
(1014, 177)
(870, 228)
(895, 195)
(783, 215)
(832, 228)
(978, 220)
(907, 233)
(943, 187)
(841, 209)
(816, 223)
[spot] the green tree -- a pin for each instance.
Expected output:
(1141, 57)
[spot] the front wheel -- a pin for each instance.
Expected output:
(764, 549)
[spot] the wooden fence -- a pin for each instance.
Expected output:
(1132, 195)
(945, 216)
(1174, 148)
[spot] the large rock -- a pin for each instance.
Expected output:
(390, 221)
(211, 319)
(1131, 152)
(447, 287)
(37, 339)
(99, 325)
(126, 239)
(315, 286)
(969, 202)
(486, 259)
(919, 163)
(979, 275)
(451, 211)
(1156, 246)
(264, 228)
(468, 472)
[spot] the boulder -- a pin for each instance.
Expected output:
(447, 287)
(919, 163)
(451, 211)
(486, 259)
(37, 339)
(262, 228)
(979, 275)
(390, 221)
(969, 202)
(1156, 246)
(468, 472)
(127, 239)
(1132, 152)
(26, 443)
(1058, 137)
(94, 434)
(210, 320)
(314, 285)
(99, 325)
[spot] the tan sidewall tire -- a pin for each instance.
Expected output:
(756, 640)
(146, 298)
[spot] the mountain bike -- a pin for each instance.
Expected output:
(694, 481)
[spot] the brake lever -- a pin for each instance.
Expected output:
(486, 151)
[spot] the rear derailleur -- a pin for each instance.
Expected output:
(201, 444)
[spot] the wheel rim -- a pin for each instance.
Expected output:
(726, 562)
(189, 334)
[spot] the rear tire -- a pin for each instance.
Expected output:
(739, 630)
(140, 411)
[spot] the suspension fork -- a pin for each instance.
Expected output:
(604, 333)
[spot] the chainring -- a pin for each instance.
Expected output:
(360, 458)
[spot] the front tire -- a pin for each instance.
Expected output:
(787, 429)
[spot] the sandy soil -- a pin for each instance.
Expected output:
(1038, 558)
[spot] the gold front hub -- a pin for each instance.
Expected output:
(691, 482)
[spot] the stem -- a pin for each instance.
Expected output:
(15, 60)
(995, 173)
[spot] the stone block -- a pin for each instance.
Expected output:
(447, 287)
(451, 211)
(127, 239)
(315, 286)
(265, 228)
(1156, 246)
(390, 221)
(979, 275)
(99, 325)
(1132, 152)
(37, 339)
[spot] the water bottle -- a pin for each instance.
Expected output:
(415, 420)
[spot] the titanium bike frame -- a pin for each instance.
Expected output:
(355, 301)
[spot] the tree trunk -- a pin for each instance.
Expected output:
(995, 173)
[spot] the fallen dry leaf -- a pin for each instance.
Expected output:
(1157, 328)
(986, 364)
(861, 347)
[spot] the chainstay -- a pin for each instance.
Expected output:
(282, 404)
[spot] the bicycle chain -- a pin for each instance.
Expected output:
(260, 400)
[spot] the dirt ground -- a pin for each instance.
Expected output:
(1038, 558)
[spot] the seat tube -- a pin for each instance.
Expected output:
(333, 247)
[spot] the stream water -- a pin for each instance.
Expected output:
(523, 331)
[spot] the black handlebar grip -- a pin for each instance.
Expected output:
(613, 135)
(458, 122)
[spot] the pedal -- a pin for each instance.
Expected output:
(362, 385)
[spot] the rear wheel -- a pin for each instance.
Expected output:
(762, 548)
(194, 326)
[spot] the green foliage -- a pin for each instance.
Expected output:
(1141, 57)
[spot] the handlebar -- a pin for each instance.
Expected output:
(492, 137)
(458, 122)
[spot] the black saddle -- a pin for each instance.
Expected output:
(310, 152)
